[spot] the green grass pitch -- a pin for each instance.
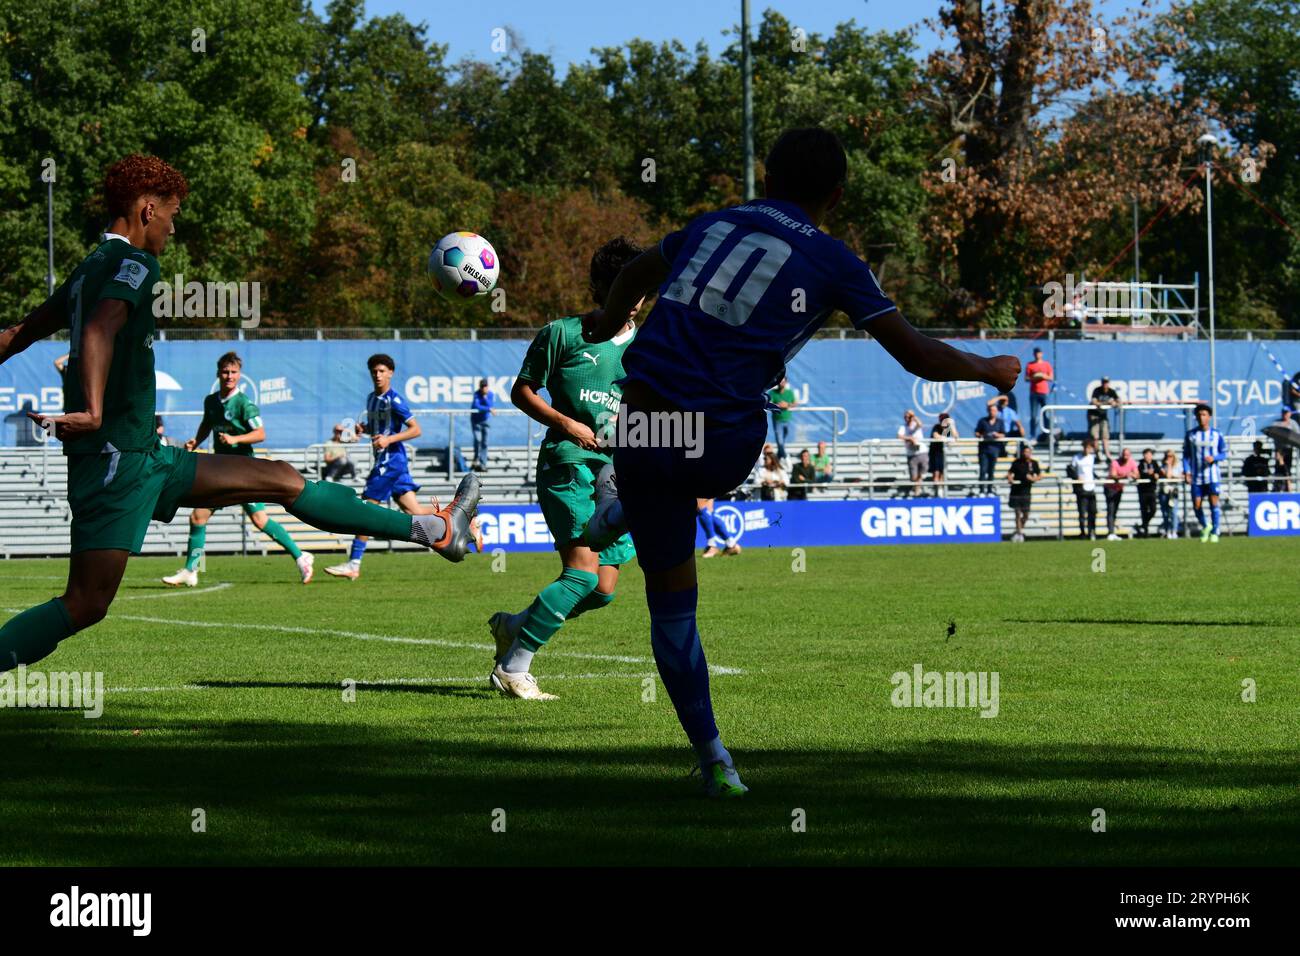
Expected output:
(1120, 690)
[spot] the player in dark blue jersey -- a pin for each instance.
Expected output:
(389, 423)
(1203, 448)
(740, 292)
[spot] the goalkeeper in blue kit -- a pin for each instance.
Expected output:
(740, 292)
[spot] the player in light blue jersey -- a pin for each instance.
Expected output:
(1203, 449)
(740, 291)
(389, 423)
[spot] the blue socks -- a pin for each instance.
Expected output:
(676, 643)
(1216, 513)
(358, 549)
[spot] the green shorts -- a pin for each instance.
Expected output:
(250, 509)
(114, 496)
(566, 493)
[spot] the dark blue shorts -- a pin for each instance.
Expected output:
(1204, 489)
(658, 487)
(389, 483)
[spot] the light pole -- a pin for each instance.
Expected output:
(747, 105)
(1207, 144)
(49, 229)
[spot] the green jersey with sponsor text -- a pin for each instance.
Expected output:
(580, 376)
(115, 270)
(236, 415)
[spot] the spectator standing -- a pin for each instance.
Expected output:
(337, 466)
(1104, 398)
(1022, 475)
(912, 434)
(1256, 466)
(1082, 471)
(822, 462)
(1171, 479)
(479, 418)
(943, 432)
(1148, 472)
(803, 476)
(1121, 470)
(160, 431)
(1283, 452)
(989, 431)
(783, 398)
(772, 479)
(1040, 375)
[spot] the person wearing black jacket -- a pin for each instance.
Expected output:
(1256, 466)
(1147, 484)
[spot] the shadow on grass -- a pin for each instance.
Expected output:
(294, 792)
(1139, 622)
(442, 690)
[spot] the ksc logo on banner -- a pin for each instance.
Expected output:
(1274, 514)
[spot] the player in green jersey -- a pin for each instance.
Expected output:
(235, 424)
(580, 378)
(119, 475)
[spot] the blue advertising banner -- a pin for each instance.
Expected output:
(788, 524)
(1274, 514)
(304, 387)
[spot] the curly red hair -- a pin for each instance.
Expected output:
(135, 176)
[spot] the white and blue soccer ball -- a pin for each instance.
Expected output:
(463, 265)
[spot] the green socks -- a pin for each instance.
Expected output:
(553, 606)
(33, 634)
(198, 535)
(592, 602)
(332, 507)
(276, 532)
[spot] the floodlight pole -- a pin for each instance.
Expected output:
(49, 229)
(746, 75)
(1208, 143)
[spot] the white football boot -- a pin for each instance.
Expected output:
(306, 563)
(524, 685)
(184, 578)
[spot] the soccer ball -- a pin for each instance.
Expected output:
(463, 265)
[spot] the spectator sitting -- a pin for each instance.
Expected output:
(803, 476)
(772, 478)
(989, 431)
(1082, 472)
(912, 434)
(1171, 474)
(1256, 466)
(1148, 485)
(337, 466)
(944, 431)
(822, 462)
(480, 414)
(1023, 473)
(1122, 470)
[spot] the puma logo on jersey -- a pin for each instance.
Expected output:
(592, 357)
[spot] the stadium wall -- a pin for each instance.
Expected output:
(304, 387)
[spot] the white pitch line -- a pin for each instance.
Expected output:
(186, 592)
(388, 638)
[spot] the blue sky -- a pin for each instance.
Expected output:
(568, 29)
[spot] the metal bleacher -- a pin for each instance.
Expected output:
(34, 512)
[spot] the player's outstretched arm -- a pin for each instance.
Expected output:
(638, 279)
(938, 361)
(96, 355)
(42, 321)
